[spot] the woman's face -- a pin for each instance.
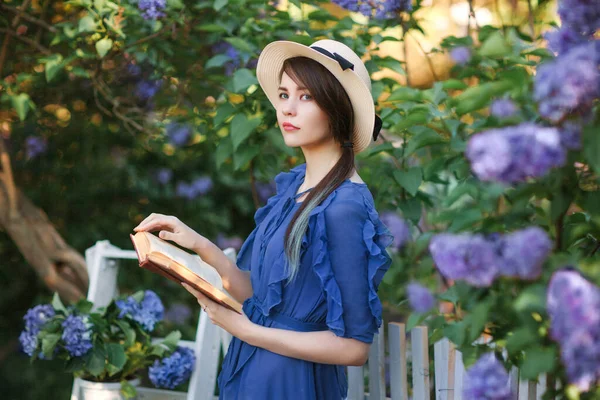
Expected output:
(300, 119)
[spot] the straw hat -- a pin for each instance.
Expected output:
(343, 63)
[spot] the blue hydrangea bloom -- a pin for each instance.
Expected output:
(29, 342)
(569, 84)
(419, 297)
(77, 335)
(37, 316)
(487, 380)
(570, 134)
(514, 153)
(398, 228)
(461, 55)
(147, 313)
(580, 354)
(152, 9)
(173, 370)
(503, 108)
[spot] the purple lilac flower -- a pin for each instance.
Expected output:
(523, 253)
(164, 175)
(464, 256)
(568, 84)
(37, 316)
(514, 153)
(398, 228)
(461, 55)
(152, 9)
(487, 380)
(562, 40)
(229, 50)
(178, 133)
(380, 9)
(77, 335)
(178, 313)
(173, 370)
(29, 342)
(583, 15)
(265, 190)
(420, 298)
(146, 90)
(147, 312)
(34, 146)
(224, 242)
(573, 305)
(503, 108)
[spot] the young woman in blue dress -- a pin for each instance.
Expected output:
(308, 273)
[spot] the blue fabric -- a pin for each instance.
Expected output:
(342, 262)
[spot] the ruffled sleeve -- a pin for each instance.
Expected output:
(282, 182)
(351, 259)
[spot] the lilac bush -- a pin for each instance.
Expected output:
(487, 380)
(503, 108)
(379, 9)
(198, 187)
(178, 134)
(34, 146)
(152, 9)
(398, 228)
(420, 298)
(461, 55)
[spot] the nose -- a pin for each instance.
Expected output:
(288, 108)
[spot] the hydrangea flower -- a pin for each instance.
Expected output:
(147, 313)
(582, 15)
(172, 371)
(37, 316)
(198, 187)
(420, 298)
(464, 256)
(398, 228)
(379, 9)
(29, 342)
(523, 253)
(461, 55)
(178, 133)
(503, 108)
(152, 9)
(568, 84)
(77, 335)
(514, 153)
(573, 305)
(487, 380)
(34, 146)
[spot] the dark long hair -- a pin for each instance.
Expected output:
(332, 98)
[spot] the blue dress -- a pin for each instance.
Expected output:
(342, 261)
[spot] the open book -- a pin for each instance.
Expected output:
(168, 260)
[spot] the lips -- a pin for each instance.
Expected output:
(289, 127)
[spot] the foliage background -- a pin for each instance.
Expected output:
(108, 116)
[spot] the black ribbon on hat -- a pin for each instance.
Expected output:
(377, 127)
(345, 64)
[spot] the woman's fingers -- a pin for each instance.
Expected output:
(154, 222)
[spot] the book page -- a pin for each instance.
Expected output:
(193, 262)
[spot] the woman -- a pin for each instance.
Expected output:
(308, 273)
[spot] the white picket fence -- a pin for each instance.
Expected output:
(446, 383)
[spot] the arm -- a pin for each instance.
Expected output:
(235, 281)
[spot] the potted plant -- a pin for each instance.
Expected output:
(108, 349)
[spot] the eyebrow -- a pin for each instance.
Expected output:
(285, 89)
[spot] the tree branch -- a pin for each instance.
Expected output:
(26, 40)
(7, 38)
(28, 17)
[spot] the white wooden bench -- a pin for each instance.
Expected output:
(448, 375)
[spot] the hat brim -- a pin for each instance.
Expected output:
(271, 61)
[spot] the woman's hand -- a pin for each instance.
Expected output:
(234, 323)
(171, 228)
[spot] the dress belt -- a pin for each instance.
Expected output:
(292, 323)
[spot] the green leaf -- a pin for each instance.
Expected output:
(243, 156)
(465, 219)
(172, 339)
(415, 117)
(537, 361)
(53, 65)
(392, 64)
(103, 46)
(128, 331)
(454, 84)
(217, 61)
(128, 390)
(414, 319)
(411, 209)
(495, 46)
(224, 111)
(116, 357)
(49, 343)
(241, 44)
(591, 146)
(241, 128)
(99, 5)
(74, 364)
(211, 28)
(532, 298)
(425, 137)
(478, 318)
(409, 180)
(57, 304)
(456, 332)
(405, 94)
(96, 361)
(219, 4)
(520, 339)
(242, 79)
(87, 24)
(21, 104)
(223, 152)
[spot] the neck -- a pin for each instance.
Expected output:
(319, 161)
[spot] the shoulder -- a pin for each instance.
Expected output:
(351, 201)
(284, 179)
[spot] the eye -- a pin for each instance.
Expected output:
(309, 97)
(283, 94)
